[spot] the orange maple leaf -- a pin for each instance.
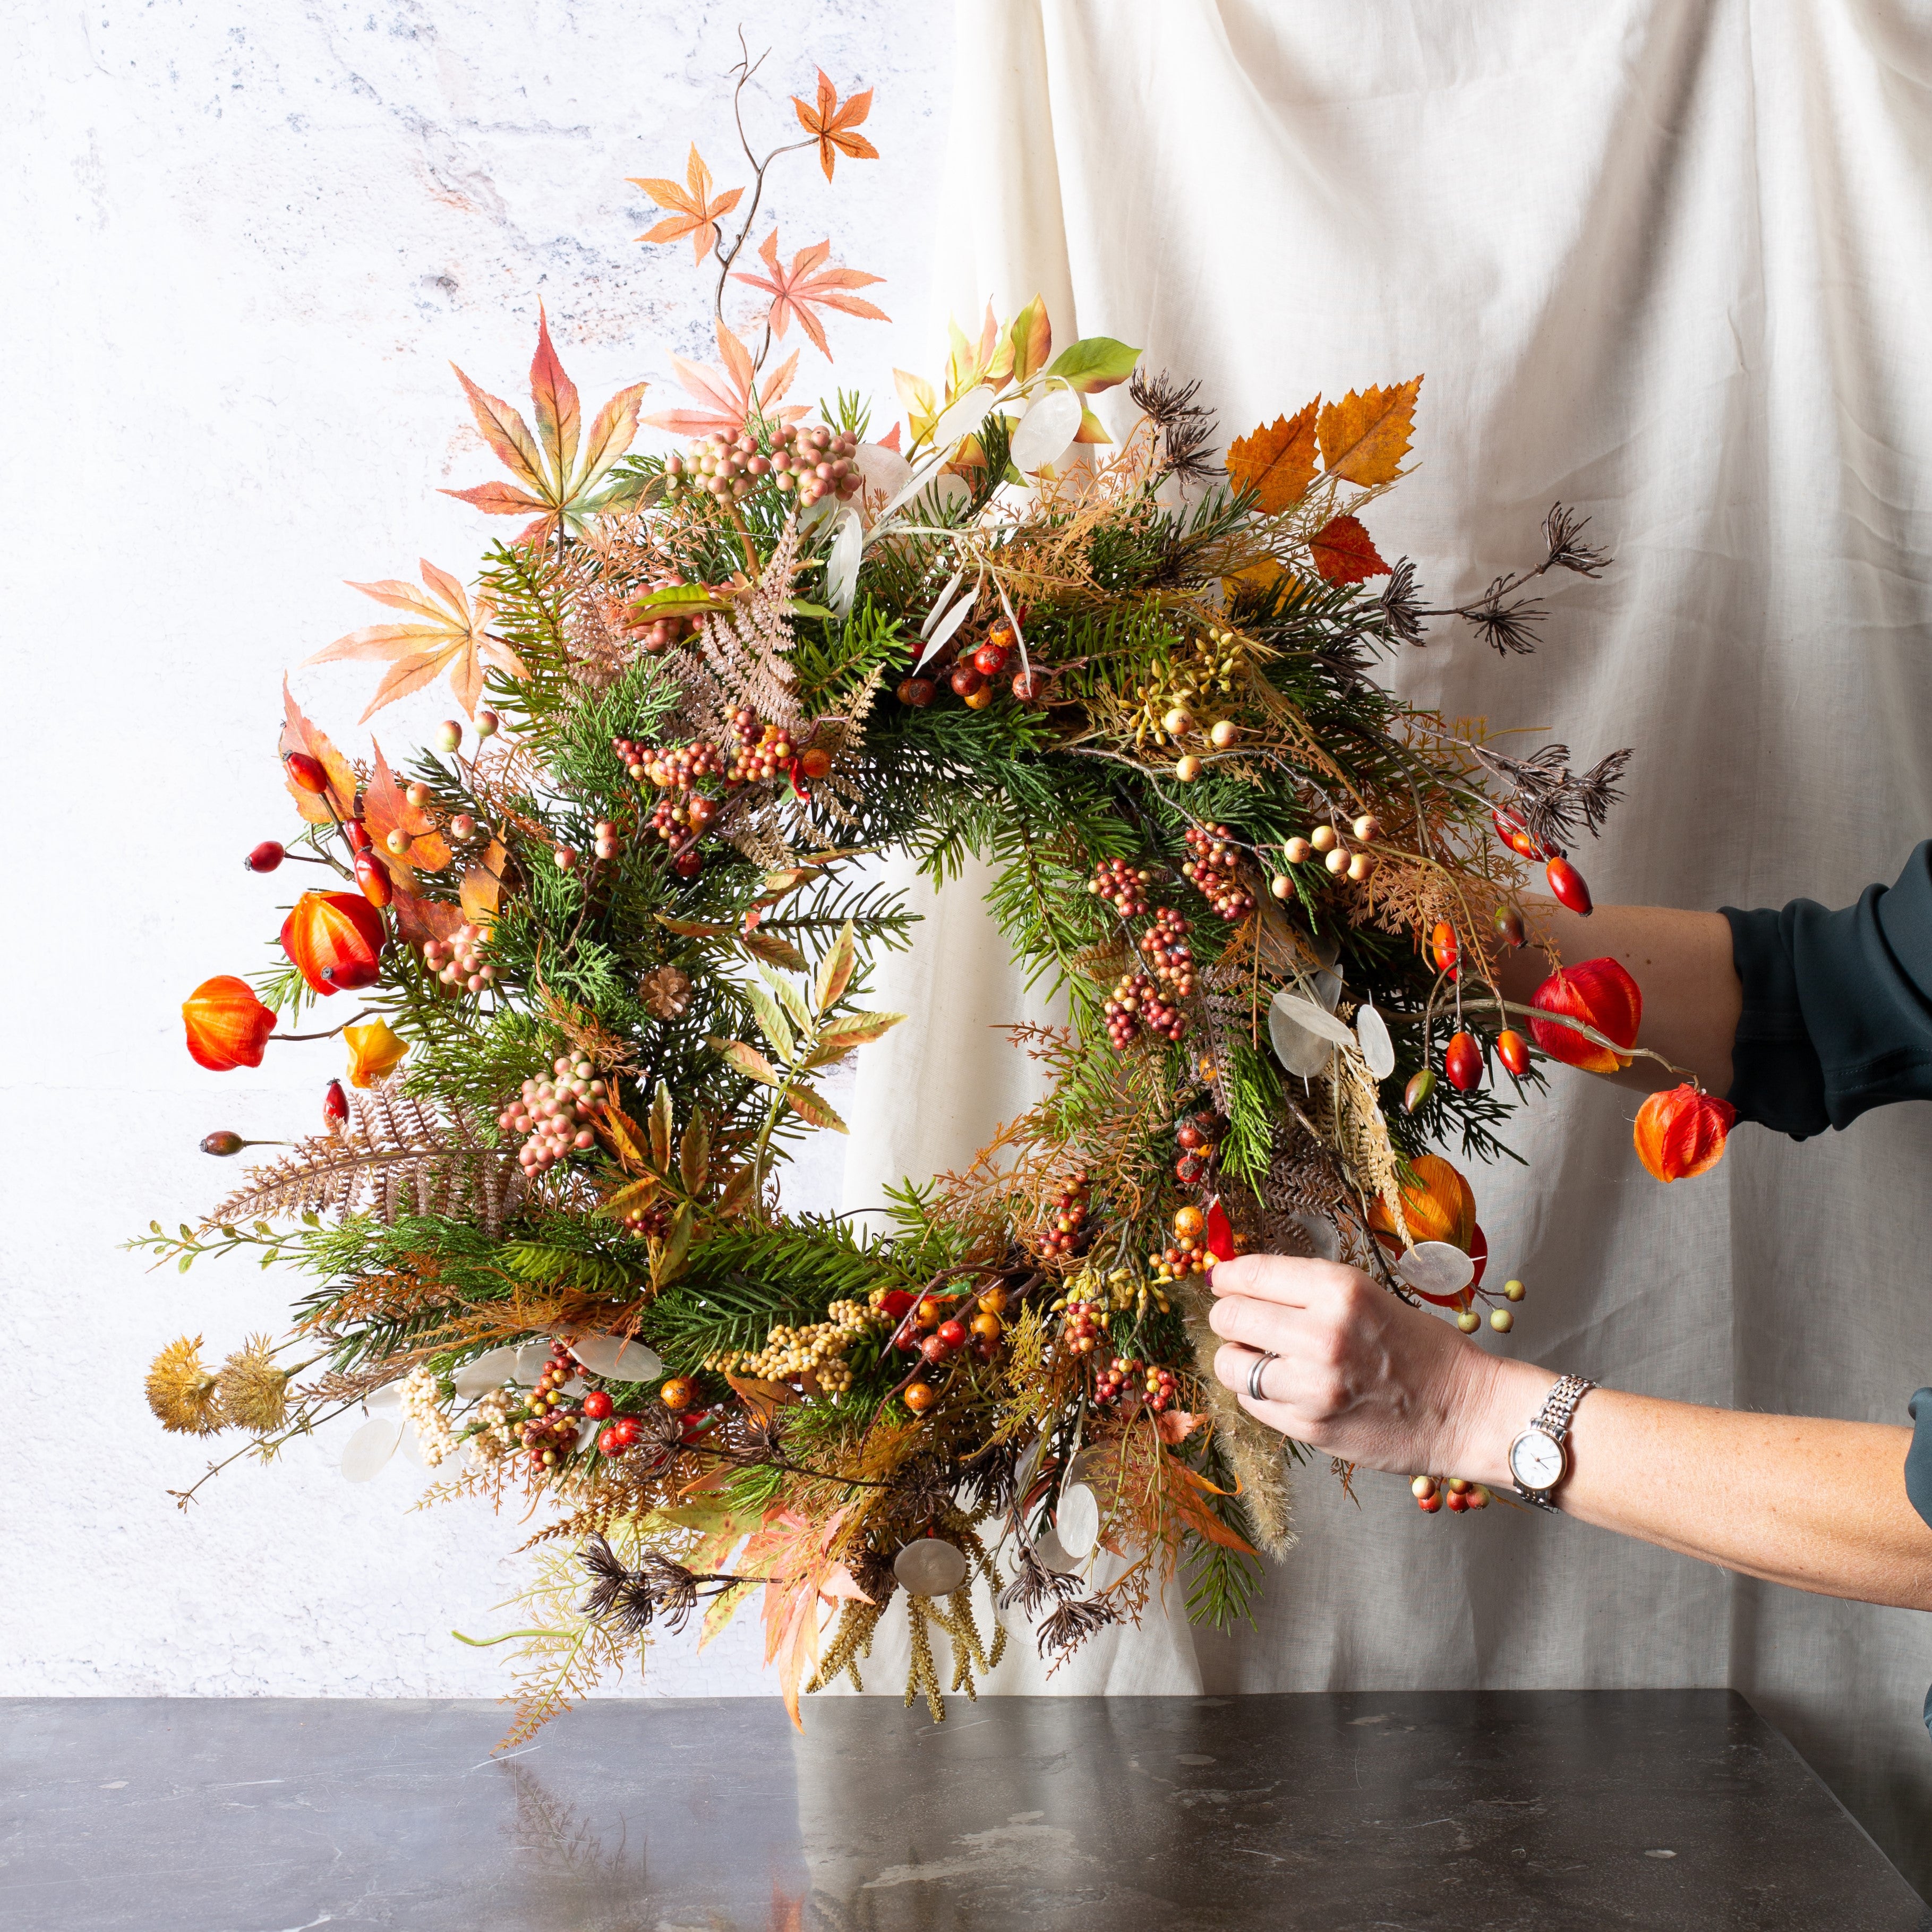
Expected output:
(694, 214)
(1344, 552)
(559, 483)
(831, 125)
(448, 635)
(298, 734)
(1279, 461)
(796, 291)
(385, 810)
(732, 395)
(1365, 437)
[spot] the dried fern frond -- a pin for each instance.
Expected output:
(399, 1157)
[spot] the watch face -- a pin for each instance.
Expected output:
(1536, 1460)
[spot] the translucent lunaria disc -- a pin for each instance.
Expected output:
(930, 1568)
(486, 1372)
(1378, 1049)
(532, 1357)
(1045, 430)
(1436, 1268)
(1317, 1020)
(1052, 1552)
(372, 1445)
(1077, 1521)
(616, 1359)
(1325, 1242)
(411, 1446)
(1297, 1047)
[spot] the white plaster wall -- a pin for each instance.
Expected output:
(242, 243)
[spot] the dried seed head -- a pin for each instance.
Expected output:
(181, 1390)
(251, 1391)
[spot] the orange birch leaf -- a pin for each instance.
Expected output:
(1278, 461)
(1343, 552)
(1365, 437)
(481, 892)
(420, 920)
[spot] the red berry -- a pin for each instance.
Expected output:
(357, 834)
(1463, 1063)
(990, 659)
(626, 1427)
(1188, 1169)
(266, 857)
(815, 763)
(1029, 684)
(334, 1105)
(1509, 925)
(965, 681)
(1516, 839)
(372, 876)
(688, 865)
(952, 1332)
(597, 1404)
(1513, 1050)
(1567, 882)
(1442, 947)
(1430, 1504)
(917, 691)
(613, 1441)
(306, 771)
(1458, 1501)
(934, 1349)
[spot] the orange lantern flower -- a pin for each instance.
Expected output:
(1436, 1203)
(1680, 1133)
(1600, 994)
(374, 1050)
(336, 940)
(227, 1026)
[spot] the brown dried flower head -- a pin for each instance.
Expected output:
(182, 1389)
(252, 1393)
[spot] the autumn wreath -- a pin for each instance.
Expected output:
(601, 938)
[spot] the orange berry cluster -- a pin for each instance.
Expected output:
(1129, 1378)
(1456, 1492)
(1068, 1228)
(1080, 1330)
(1137, 1003)
(1198, 1135)
(761, 753)
(1122, 886)
(1215, 870)
(1187, 1253)
(550, 1432)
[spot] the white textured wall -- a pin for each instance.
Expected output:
(243, 242)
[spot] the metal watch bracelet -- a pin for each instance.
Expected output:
(1553, 1420)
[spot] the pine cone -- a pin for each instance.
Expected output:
(666, 991)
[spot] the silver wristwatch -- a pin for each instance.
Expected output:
(1539, 1459)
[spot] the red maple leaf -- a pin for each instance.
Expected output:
(796, 291)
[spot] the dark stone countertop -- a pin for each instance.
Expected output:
(1483, 1811)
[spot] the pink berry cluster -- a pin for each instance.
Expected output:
(1165, 947)
(555, 1115)
(608, 842)
(717, 465)
(658, 630)
(1137, 1003)
(1123, 887)
(816, 462)
(1215, 869)
(458, 960)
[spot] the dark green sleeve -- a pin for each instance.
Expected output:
(1837, 1005)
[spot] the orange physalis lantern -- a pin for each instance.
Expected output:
(1600, 994)
(1680, 1133)
(1436, 1203)
(335, 939)
(227, 1026)
(374, 1050)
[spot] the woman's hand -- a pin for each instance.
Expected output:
(1363, 1374)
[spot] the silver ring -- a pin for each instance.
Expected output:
(1256, 1373)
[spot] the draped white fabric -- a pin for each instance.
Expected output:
(1669, 263)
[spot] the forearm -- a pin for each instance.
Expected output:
(1819, 1505)
(1681, 961)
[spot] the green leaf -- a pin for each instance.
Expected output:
(803, 607)
(810, 1105)
(771, 1022)
(748, 1060)
(794, 1001)
(694, 1153)
(835, 971)
(661, 1118)
(847, 1035)
(679, 598)
(677, 1245)
(1093, 363)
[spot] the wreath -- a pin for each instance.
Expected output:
(603, 934)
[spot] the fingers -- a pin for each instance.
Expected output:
(1260, 1324)
(1287, 1278)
